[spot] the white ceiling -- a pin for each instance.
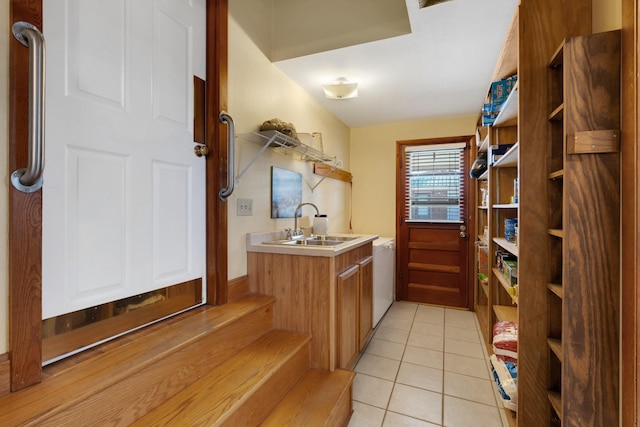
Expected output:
(441, 69)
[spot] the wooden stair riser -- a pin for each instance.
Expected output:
(124, 402)
(130, 378)
(235, 385)
(262, 402)
(319, 398)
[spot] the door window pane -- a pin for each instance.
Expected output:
(434, 183)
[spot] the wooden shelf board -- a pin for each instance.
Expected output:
(557, 114)
(483, 207)
(503, 243)
(506, 206)
(556, 289)
(508, 115)
(556, 346)
(505, 284)
(510, 159)
(506, 313)
(557, 174)
(556, 232)
(556, 402)
(484, 176)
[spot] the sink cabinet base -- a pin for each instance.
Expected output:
(306, 291)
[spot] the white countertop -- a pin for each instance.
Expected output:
(256, 243)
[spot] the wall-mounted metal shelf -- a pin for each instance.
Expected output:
(275, 139)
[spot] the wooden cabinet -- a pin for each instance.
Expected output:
(568, 217)
(582, 256)
(328, 297)
(365, 301)
(348, 316)
(355, 310)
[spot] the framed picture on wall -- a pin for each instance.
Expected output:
(286, 192)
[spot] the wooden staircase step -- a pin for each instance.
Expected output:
(319, 398)
(242, 390)
(117, 382)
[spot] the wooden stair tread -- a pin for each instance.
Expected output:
(81, 377)
(212, 398)
(313, 399)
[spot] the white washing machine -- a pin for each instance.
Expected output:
(384, 273)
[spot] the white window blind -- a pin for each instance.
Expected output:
(434, 182)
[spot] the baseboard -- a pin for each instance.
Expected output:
(5, 375)
(237, 287)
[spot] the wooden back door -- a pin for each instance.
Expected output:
(433, 248)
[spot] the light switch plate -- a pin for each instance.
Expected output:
(245, 207)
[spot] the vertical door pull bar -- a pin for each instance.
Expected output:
(226, 192)
(29, 179)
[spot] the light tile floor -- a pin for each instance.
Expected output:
(425, 366)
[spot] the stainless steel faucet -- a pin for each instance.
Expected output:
(297, 232)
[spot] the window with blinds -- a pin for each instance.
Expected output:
(434, 183)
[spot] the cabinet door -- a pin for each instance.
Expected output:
(348, 284)
(365, 300)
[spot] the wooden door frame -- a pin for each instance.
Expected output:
(630, 195)
(469, 199)
(25, 210)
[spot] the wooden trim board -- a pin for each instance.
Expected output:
(323, 169)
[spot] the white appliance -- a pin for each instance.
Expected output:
(384, 273)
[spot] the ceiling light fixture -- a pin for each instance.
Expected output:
(340, 89)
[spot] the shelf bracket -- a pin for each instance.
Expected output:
(258, 154)
(323, 178)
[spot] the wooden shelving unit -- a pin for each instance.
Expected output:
(567, 161)
(493, 302)
(584, 251)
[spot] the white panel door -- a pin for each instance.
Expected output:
(124, 194)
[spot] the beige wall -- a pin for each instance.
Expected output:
(253, 99)
(259, 91)
(373, 164)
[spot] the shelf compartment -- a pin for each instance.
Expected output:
(510, 158)
(506, 206)
(506, 313)
(504, 244)
(503, 281)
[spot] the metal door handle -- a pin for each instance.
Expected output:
(226, 192)
(463, 234)
(29, 179)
